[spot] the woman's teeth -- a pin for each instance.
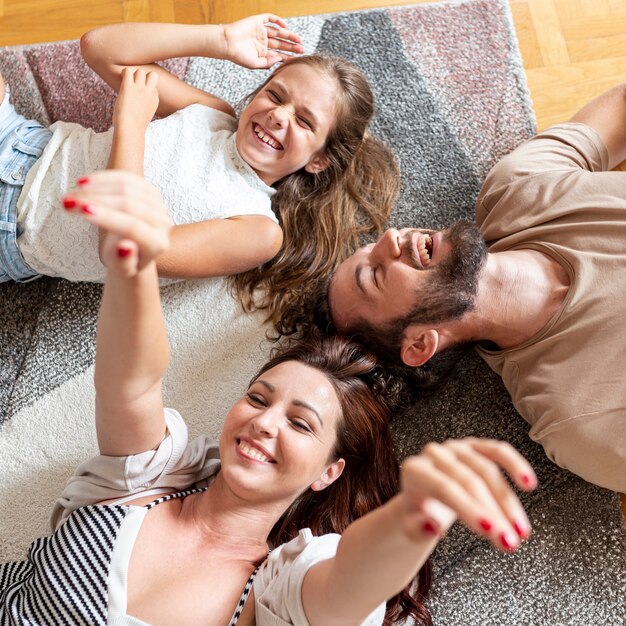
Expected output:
(253, 452)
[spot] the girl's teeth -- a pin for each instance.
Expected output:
(253, 452)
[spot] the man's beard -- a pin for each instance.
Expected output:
(452, 285)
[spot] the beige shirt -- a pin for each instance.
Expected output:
(553, 194)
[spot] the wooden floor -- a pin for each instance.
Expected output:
(573, 50)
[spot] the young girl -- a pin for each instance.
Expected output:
(297, 156)
(159, 530)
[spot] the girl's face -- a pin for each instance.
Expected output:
(279, 437)
(285, 126)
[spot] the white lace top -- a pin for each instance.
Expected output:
(190, 156)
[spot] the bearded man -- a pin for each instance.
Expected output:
(538, 285)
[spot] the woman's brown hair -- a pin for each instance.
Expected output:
(367, 397)
(323, 215)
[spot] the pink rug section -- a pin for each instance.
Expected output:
(79, 96)
(470, 82)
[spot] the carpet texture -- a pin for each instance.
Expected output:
(452, 99)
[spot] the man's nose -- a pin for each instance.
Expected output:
(387, 247)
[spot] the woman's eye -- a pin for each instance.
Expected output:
(300, 425)
(255, 398)
(273, 96)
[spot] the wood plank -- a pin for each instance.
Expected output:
(558, 92)
(549, 33)
(595, 48)
(526, 35)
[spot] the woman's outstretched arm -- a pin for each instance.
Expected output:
(381, 553)
(131, 343)
(256, 42)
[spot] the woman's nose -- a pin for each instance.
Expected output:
(266, 423)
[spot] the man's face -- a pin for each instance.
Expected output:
(421, 274)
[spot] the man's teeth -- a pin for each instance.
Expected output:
(270, 141)
(253, 452)
(423, 245)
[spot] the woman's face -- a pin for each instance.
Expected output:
(285, 126)
(278, 439)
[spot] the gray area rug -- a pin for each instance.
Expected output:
(452, 99)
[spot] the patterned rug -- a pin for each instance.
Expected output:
(452, 99)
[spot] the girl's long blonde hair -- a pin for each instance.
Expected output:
(324, 215)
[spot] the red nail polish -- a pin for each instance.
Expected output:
(520, 530)
(429, 528)
(123, 252)
(526, 480)
(83, 181)
(507, 542)
(69, 203)
(88, 208)
(485, 524)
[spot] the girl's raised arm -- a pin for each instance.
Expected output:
(131, 342)
(381, 553)
(256, 42)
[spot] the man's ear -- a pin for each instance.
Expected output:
(418, 345)
(317, 164)
(330, 475)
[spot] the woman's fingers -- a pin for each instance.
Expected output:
(130, 210)
(465, 477)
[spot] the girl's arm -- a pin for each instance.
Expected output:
(131, 342)
(220, 247)
(256, 42)
(380, 554)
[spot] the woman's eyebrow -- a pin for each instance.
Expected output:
(301, 403)
(310, 408)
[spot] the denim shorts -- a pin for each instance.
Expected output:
(21, 143)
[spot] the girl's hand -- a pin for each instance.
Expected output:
(137, 100)
(260, 41)
(131, 212)
(462, 479)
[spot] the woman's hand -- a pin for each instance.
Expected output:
(132, 214)
(260, 41)
(462, 479)
(137, 100)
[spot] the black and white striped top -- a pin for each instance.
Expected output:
(66, 578)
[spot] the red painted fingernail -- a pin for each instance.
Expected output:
(429, 528)
(520, 530)
(507, 541)
(527, 480)
(485, 524)
(88, 208)
(123, 252)
(83, 181)
(69, 203)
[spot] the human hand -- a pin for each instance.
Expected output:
(131, 212)
(138, 98)
(260, 41)
(462, 479)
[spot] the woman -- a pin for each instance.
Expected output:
(159, 531)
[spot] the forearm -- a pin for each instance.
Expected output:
(132, 353)
(220, 247)
(145, 43)
(127, 149)
(374, 561)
